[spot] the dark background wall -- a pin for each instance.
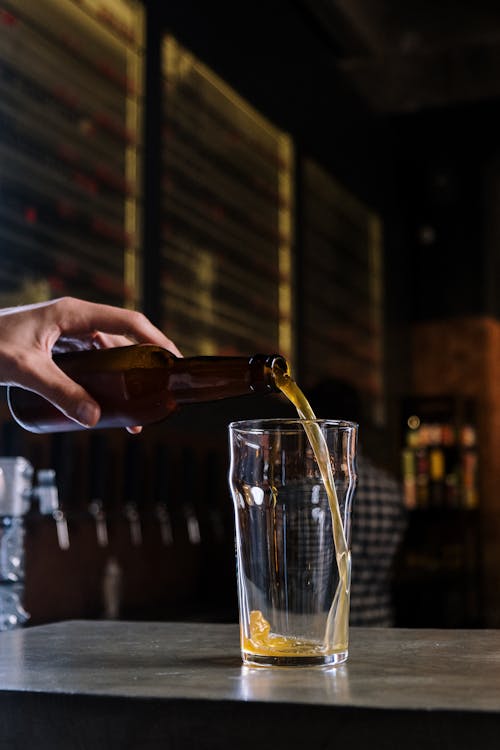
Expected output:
(423, 169)
(278, 57)
(427, 170)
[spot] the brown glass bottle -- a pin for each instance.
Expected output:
(142, 384)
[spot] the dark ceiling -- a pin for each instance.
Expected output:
(408, 55)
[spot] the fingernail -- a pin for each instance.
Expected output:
(87, 413)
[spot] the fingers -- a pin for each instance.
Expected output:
(109, 340)
(134, 430)
(64, 322)
(80, 316)
(53, 384)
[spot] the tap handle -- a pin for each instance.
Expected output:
(163, 517)
(48, 499)
(189, 470)
(134, 519)
(46, 491)
(161, 494)
(99, 472)
(134, 489)
(96, 510)
(61, 529)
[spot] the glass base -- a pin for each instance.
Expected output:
(324, 660)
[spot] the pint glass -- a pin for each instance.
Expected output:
(293, 539)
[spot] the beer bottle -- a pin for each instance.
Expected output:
(142, 383)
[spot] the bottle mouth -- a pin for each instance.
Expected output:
(267, 369)
(280, 372)
(278, 364)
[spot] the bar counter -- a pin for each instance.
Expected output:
(102, 685)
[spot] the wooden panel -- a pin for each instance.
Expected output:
(226, 216)
(342, 288)
(70, 104)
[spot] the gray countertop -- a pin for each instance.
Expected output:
(174, 685)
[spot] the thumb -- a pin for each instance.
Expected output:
(69, 397)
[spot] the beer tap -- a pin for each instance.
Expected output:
(63, 459)
(48, 501)
(161, 492)
(98, 473)
(134, 519)
(133, 489)
(188, 489)
(96, 510)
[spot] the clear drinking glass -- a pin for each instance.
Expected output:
(292, 539)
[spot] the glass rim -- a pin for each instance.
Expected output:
(282, 424)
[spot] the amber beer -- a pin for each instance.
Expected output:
(142, 383)
(338, 619)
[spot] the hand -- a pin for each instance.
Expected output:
(29, 333)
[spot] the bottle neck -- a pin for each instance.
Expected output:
(196, 379)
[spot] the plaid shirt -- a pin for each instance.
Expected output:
(378, 525)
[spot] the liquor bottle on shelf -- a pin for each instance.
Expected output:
(422, 478)
(437, 474)
(409, 478)
(439, 454)
(142, 383)
(468, 467)
(440, 557)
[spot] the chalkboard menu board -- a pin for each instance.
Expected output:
(70, 114)
(226, 221)
(342, 294)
